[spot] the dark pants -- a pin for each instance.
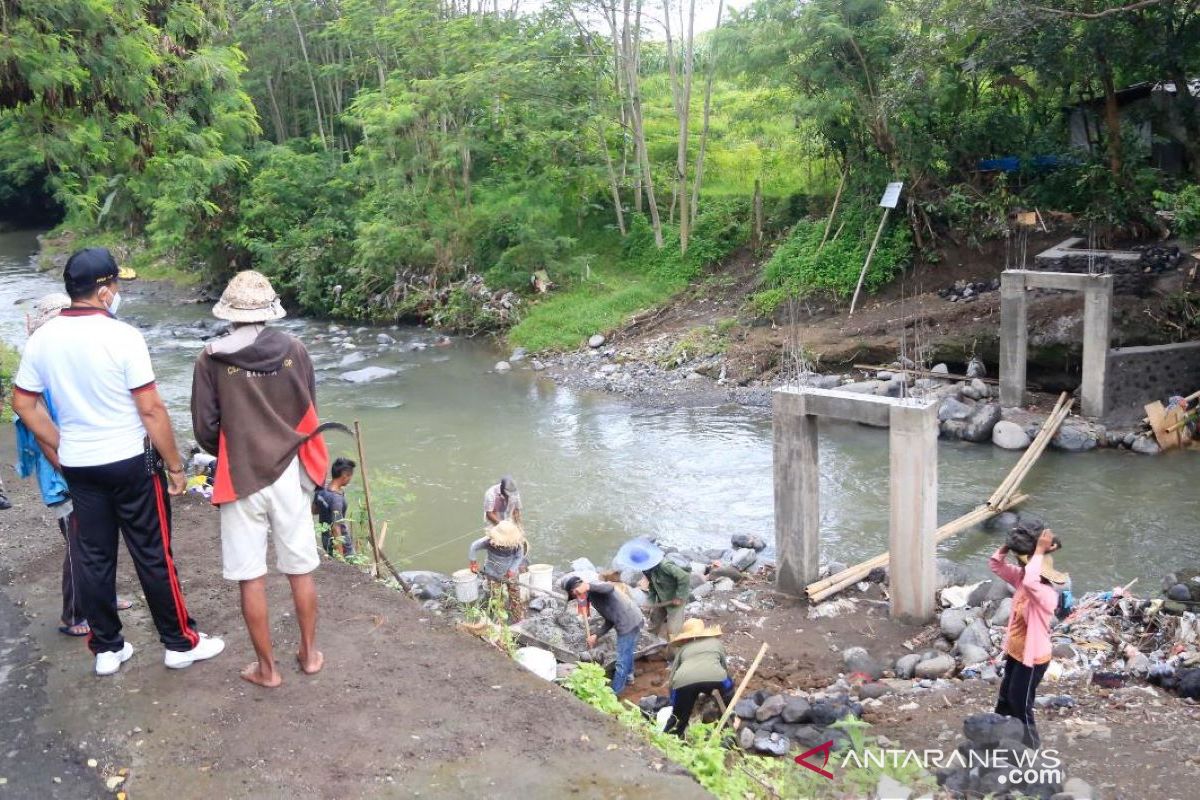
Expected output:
(683, 700)
(1018, 690)
(339, 534)
(124, 497)
(72, 609)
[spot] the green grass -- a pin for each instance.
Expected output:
(9, 359)
(567, 319)
(129, 252)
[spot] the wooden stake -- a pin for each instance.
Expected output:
(833, 211)
(362, 471)
(867, 264)
(738, 694)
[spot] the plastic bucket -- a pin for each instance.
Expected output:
(466, 586)
(538, 661)
(541, 577)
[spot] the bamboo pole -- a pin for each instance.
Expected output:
(833, 211)
(362, 470)
(924, 373)
(830, 586)
(738, 694)
(870, 255)
(1017, 474)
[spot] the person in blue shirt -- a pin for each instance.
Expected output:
(32, 462)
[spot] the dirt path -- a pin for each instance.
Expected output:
(405, 707)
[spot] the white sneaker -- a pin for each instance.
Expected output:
(110, 662)
(208, 647)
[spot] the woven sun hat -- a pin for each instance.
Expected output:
(695, 629)
(1057, 577)
(45, 309)
(506, 534)
(249, 297)
(639, 554)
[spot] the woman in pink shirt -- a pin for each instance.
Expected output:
(1027, 643)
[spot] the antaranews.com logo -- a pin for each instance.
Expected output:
(1015, 767)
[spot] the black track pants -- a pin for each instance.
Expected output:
(124, 496)
(1018, 690)
(683, 700)
(72, 609)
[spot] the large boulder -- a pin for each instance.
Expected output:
(982, 423)
(971, 654)
(771, 707)
(745, 709)
(951, 574)
(953, 621)
(989, 728)
(744, 540)
(796, 710)
(906, 665)
(939, 666)
(1145, 445)
(1010, 436)
(976, 633)
(1001, 614)
(954, 409)
(1073, 439)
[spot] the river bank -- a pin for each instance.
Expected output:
(405, 706)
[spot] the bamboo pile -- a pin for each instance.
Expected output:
(1004, 498)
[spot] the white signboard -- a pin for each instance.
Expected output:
(891, 195)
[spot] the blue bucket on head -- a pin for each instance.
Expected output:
(640, 554)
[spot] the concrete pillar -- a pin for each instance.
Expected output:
(1097, 325)
(912, 542)
(797, 494)
(1014, 335)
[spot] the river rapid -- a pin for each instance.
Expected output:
(594, 470)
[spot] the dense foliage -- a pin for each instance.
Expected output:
(427, 158)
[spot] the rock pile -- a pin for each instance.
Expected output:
(994, 762)
(968, 291)
(1157, 259)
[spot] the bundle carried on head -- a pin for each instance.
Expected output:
(1023, 538)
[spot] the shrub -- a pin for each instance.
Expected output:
(1182, 208)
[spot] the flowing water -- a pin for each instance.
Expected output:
(594, 470)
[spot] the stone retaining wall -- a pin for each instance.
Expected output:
(1140, 375)
(1129, 275)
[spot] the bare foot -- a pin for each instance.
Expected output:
(253, 674)
(311, 665)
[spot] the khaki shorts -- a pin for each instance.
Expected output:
(284, 509)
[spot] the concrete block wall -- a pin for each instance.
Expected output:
(1141, 375)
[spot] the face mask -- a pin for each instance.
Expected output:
(114, 304)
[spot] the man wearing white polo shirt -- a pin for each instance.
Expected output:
(112, 442)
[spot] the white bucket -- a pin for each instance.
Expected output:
(541, 577)
(466, 586)
(538, 661)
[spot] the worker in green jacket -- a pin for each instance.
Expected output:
(670, 584)
(699, 668)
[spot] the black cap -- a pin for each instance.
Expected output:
(89, 269)
(569, 585)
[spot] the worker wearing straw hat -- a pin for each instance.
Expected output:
(254, 407)
(1027, 641)
(506, 548)
(699, 668)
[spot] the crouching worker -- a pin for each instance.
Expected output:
(506, 548)
(619, 611)
(1027, 642)
(699, 668)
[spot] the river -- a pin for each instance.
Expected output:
(594, 470)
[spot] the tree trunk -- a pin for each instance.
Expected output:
(276, 117)
(1112, 115)
(685, 108)
(712, 68)
(312, 83)
(639, 130)
(612, 183)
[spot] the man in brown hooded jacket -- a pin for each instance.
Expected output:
(254, 407)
